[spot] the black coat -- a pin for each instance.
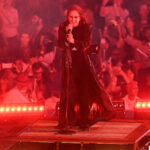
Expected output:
(78, 70)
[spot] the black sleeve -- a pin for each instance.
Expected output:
(85, 37)
(82, 36)
(61, 36)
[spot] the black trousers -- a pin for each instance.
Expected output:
(75, 91)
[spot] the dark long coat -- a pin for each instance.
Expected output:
(78, 75)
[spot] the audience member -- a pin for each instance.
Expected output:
(10, 20)
(21, 66)
(8, 91)
(24, 85)
(113, 11)
(130, 99)
(41, 84)
(142, 20)
(141, 48)
(3, 43)
(25, 50)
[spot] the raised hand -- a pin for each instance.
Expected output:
(104, 2)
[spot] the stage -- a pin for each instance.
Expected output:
(121, 133)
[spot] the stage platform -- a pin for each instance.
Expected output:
(114, 132)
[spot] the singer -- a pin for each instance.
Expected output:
(79, 84)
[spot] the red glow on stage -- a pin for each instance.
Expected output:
(138, 105)
(24, 109)
(29, 108)
(7, 109)
(143, 105)
(35, 108)
(41, 108)
(21, 109)
(2, 109)
(13, 109)
(148, 105)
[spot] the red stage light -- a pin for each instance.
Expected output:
(143, 105)
(15, 109)
(35, 108)
(41, 108)
(1, 109)
(138, 105)
(19, 109)
(29, 108)
(7, 109)
(148, 105)
(24, 109)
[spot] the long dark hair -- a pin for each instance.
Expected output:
(79, 10)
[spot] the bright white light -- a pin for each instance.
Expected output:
(30, 109)
(2, 109)
(41, 108)
(148, 105)
(138, 105)
(7, 109)
(35, 108)
(18, 108)
(13, 109)
(24, 108)
(144, 105)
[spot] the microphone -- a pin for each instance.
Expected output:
(69, 29)
(69, 35)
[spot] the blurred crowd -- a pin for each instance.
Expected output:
(30, 60)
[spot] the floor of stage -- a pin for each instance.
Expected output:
(114, 132)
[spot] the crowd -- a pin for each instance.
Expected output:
(30, 60)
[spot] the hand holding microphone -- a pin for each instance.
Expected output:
(70, 38)
(69, 28)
